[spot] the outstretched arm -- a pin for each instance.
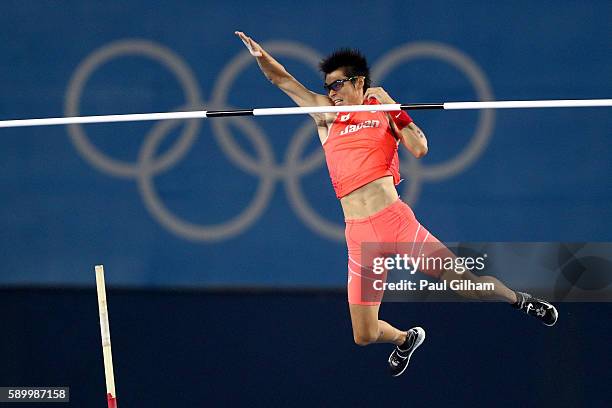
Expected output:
(278, 75)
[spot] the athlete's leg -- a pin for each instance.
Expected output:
(499, 290)
(365, 297)
(432, 247)
(539, 308)
(422, 243)
(364, 301)
(368, 329)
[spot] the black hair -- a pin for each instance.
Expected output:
(351, 61)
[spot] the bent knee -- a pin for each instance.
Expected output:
(363, 338)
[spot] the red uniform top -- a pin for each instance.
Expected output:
(360, 148)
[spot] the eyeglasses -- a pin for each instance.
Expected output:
(337, 84)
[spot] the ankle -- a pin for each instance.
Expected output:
(400, 338)
(408, 340)
(518, 303)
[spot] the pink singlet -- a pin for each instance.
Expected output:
(359, 149)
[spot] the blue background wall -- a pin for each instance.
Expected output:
(538, 175)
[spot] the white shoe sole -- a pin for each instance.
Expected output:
(556, 316)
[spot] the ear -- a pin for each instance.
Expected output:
(360, 83)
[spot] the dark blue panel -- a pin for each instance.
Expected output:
(297, 350)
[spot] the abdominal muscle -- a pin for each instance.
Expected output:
(369, 199)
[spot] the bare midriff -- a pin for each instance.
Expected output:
(369, 199)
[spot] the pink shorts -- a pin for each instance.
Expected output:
(393, 224)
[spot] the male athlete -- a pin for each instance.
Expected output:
(361, 154)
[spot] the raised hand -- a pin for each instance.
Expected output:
(254, 48)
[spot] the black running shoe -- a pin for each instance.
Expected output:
(537, 308)
(400, 357)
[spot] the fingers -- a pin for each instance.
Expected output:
(379, 94)
(373, 93)
(241, 35)
(245, 39)
(251, 45)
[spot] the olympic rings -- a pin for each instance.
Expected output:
(264, 165)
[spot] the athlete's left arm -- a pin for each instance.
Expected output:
(411, 136)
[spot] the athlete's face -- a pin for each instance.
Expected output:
(344, 90)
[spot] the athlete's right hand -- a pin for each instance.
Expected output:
(254, 48)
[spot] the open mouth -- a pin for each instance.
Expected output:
(337, 101)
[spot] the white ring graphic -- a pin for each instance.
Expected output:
(156, 52)
(184, 228)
